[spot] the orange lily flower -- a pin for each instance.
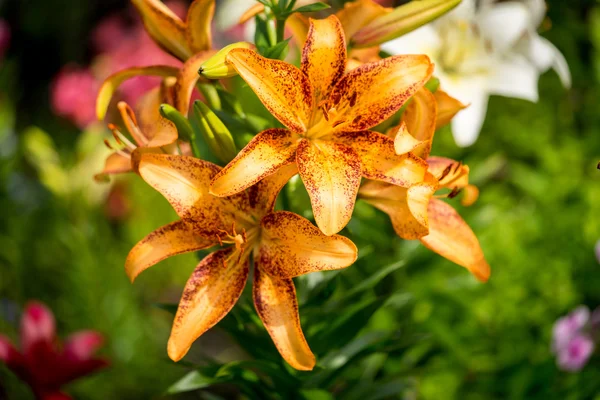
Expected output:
(283, 244)
(152, 133)
(328, 114)
(414, 212)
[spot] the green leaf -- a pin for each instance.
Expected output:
(277, 52)
(316, 394)
(312, 7)
(194, 380)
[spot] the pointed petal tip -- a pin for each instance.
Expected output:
(175, 351)
(481, 271)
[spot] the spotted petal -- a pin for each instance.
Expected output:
(184, 182)
(451, 237)
(292, 246)
(379, 160)
(266, 153)
(166, 28)
(331, 173)
(209, 294)
(175, 238)
(277, 307)
(407, 207)
(283, 89)
(324, 55)
(373, 92)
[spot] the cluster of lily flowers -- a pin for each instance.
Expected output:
(328, 107)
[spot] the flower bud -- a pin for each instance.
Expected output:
(215, 133)
(216, 67)
(402, 20)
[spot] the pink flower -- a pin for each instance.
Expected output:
(44, 365)
(73, 95)
(575, 355)
(4, 37)
(597, 251)
(568, 327)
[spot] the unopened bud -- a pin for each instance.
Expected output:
(215, 133)
(216, 67)
(402, 20)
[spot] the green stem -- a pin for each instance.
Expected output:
(209, 91)
(280, 28)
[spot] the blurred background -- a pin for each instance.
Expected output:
(402, 323)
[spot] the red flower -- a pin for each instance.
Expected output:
(45, 365)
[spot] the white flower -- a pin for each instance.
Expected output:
(485, 49)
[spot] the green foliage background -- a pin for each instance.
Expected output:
(401, 323)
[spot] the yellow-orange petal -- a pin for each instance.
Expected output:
(292, 246)
(404, 142)
(357, 14)
(263, 195)
(451, 237)
(198, 25)
(407, 207)
(251, 13)
(420, 118)
(187, 78)
(450, 174)
(157, 130)
(447, 107)
(209, 294)
(331, 173)
(373, 92)
(358, 57)
(298, 24)
(324, 55)
(276, 305)
(266, 153)
(111, 84)
(184, 182)
(130, 122)
(175, 238)
(380, 161)
(283, 88)
(164, 27)
(115, 164)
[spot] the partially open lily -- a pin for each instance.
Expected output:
(152, 133)
(415, 212)
(283, 244)
(328, 114)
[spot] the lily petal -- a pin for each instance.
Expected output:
(198, 24)
(331, 173)
(111, 84)
(379, 160)
(324, 55)
(493, 23)
(209, 294)
(291, 246)
(276, 305)
(157, 130)
(10, 356)
(82, 345)
(284, 89)
(451, 237)
(420, 118)
(298, 24)
(373, 92)
(263, 195)
(187, 78)
(450, 174)
(266, 153)
(175, 238)
(166, 28)
(115, 164)
(447, 107)
(467, 124)
(357, 14)
(130, 121)
(515, 77)
(184, 182)
(404, 142)
(407, 208)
